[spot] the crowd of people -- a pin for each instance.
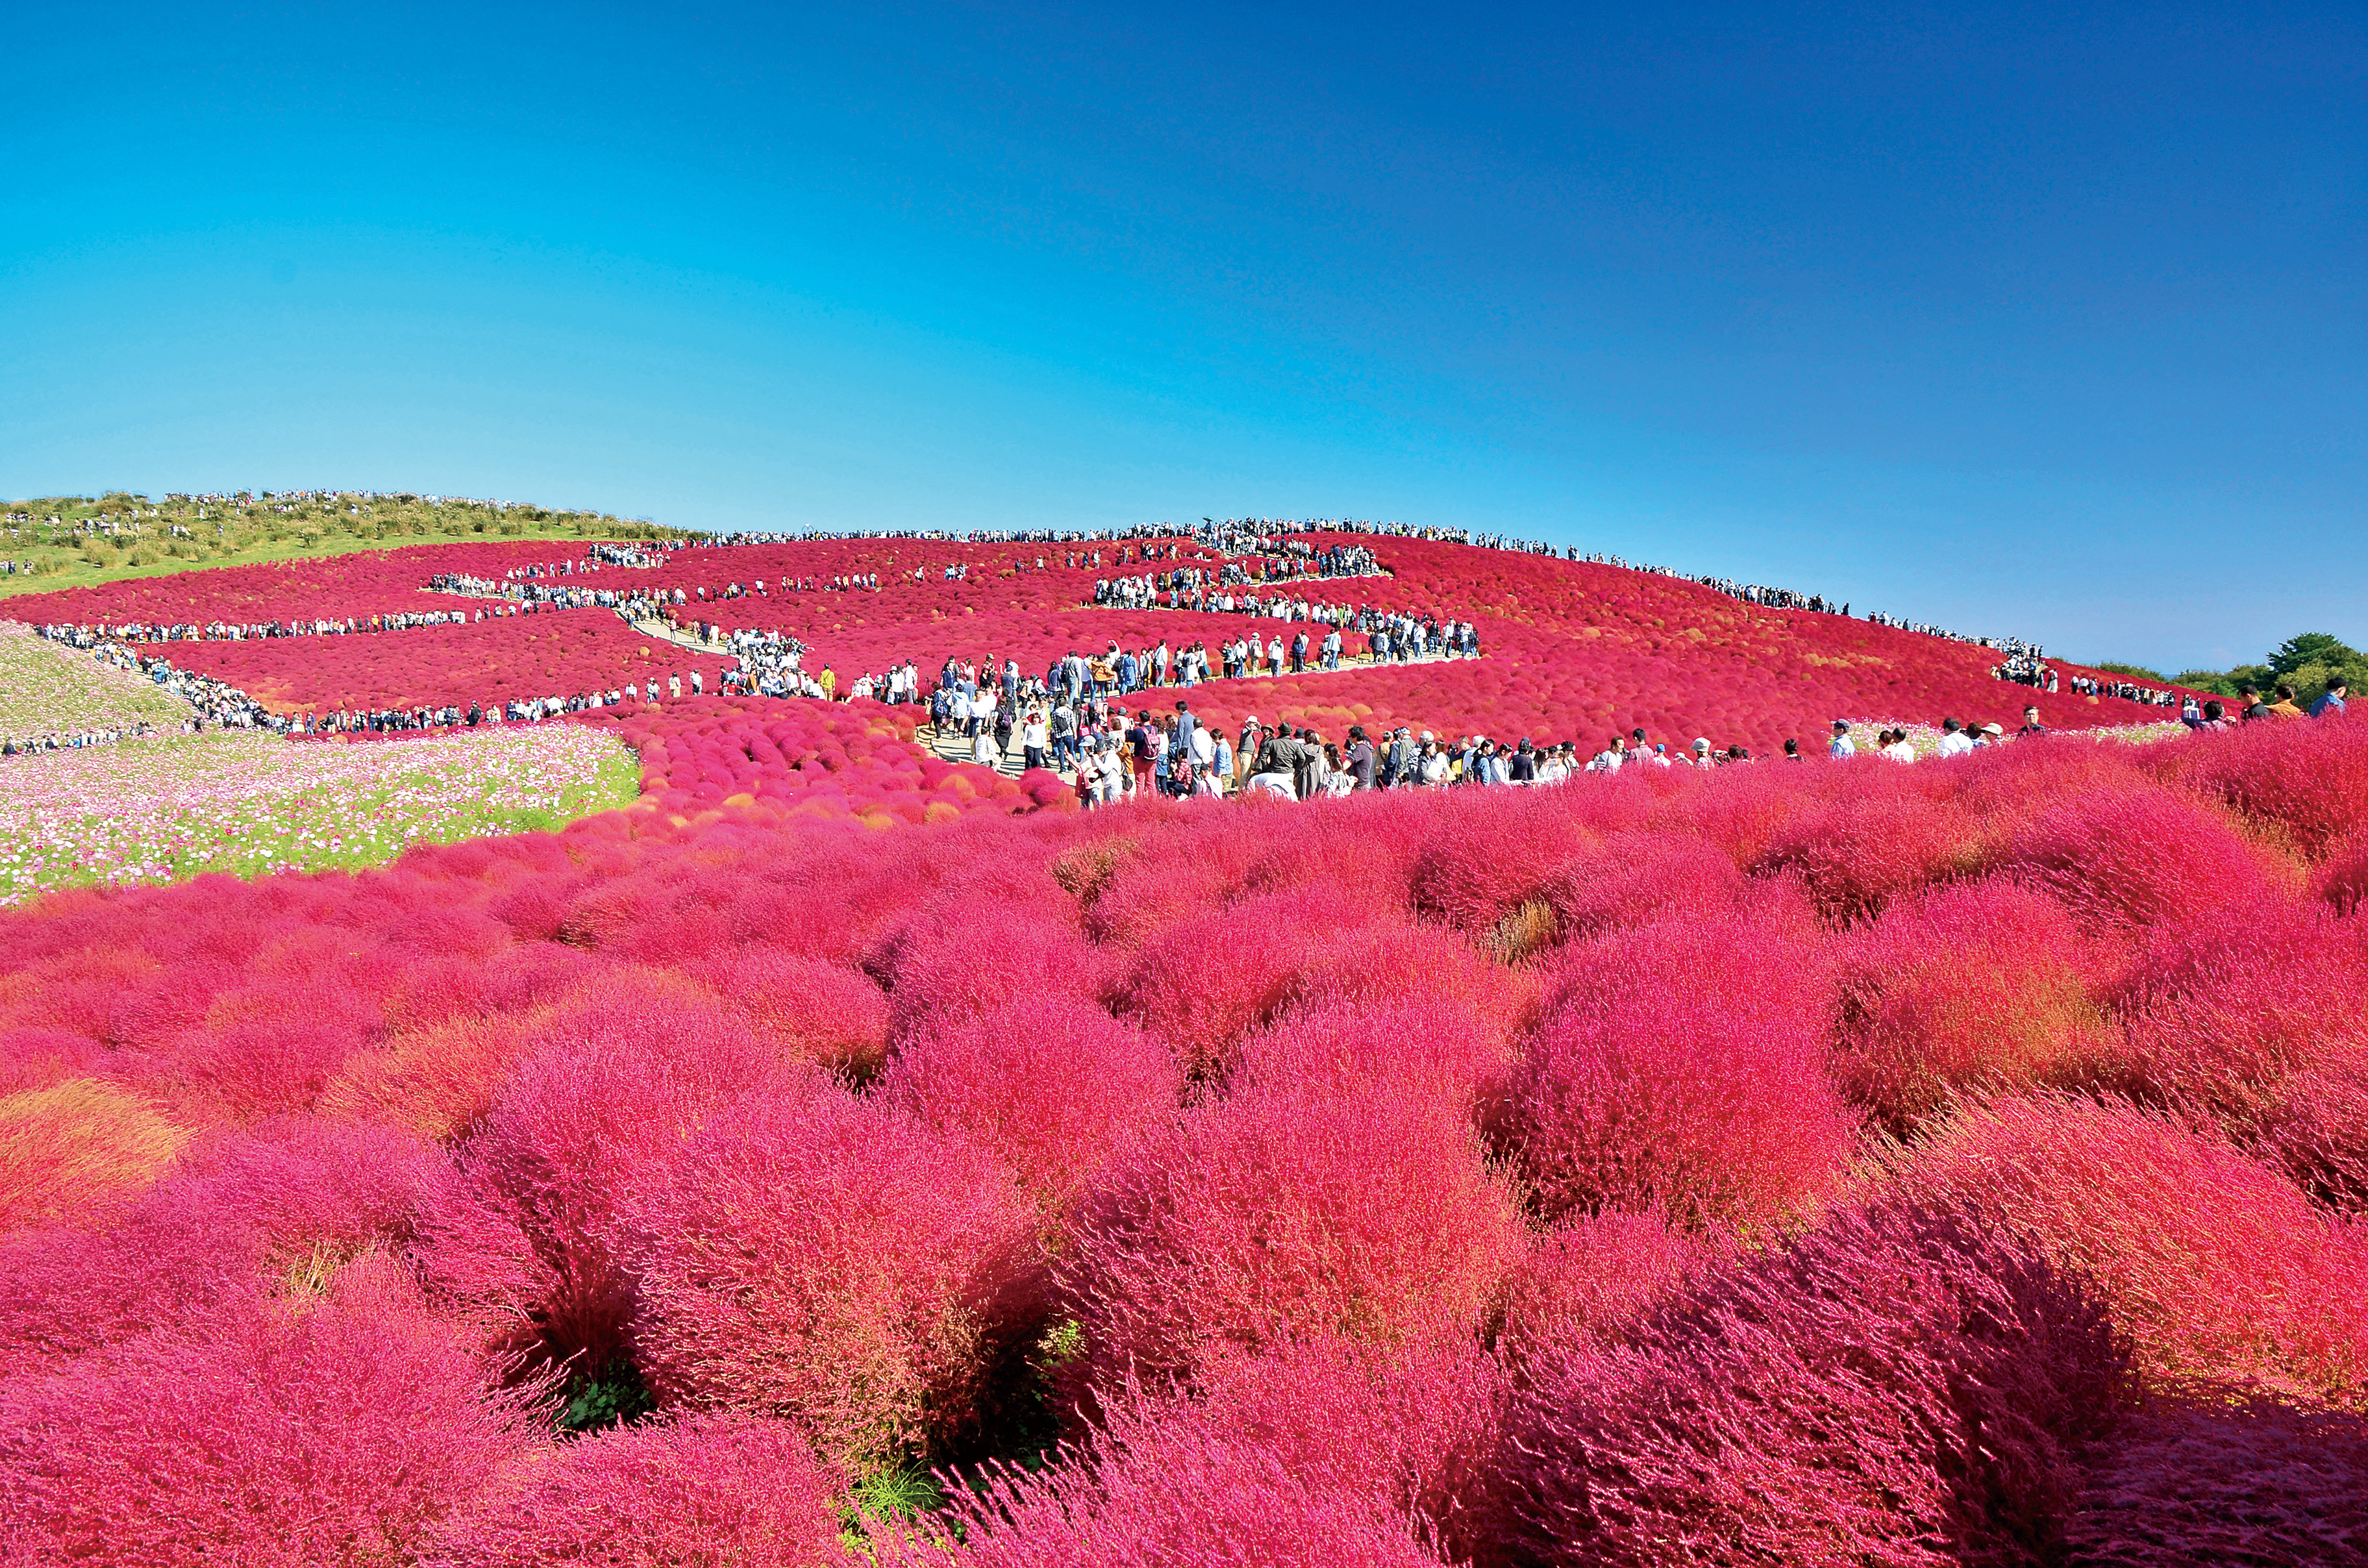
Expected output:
(221, 705)
(77, 740)
(2128, 691)
(256, 631)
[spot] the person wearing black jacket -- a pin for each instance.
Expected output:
(1522, 767)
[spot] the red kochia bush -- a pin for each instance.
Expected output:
(1900, 1387)
(2343, 881)
(1274, 1217)
(950, 963)
(811, 1010)
(1051, 1084)
(1484, 858)
(1872, 845)
(592, 1115)
(339, 1433)
(1636, 879)
(2259, 1018)
(1589, 1281)
(2212, 1263)
(2307, 782)
(1310, 1454)
(1961, 989)
(76, 1145)
(1203, 983)
(829, 1259)
(707, 1491)
(2206, 1482)
(1682, 1069)
(1438, 1051)
(2126, 857)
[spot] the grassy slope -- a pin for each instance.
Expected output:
(230, 533)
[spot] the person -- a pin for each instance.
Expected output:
(1065, 734)
(1186, 724)
(2330, 706)
(1360, 757)
(2284, 707)
(1702, 757)
(1144, 747)
(2030, 724)
(1954, 742)
(1034, 736)
(1221, 763)
(982, 749)
(1901, 748)
(2249, 706)
(1522, 767)
(1989, 734)
(1791, 749)
(1307, 769)
(2215, 717)
(1842, 748)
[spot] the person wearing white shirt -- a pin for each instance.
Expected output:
(1954, 742)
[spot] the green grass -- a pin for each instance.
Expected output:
(231, 533)
(49, 689)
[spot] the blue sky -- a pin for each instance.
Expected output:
(2043, 321)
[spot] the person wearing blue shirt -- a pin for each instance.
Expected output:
(2332, 703)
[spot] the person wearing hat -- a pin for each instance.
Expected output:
(1702, 757)
(1991, 733)
(1842, 747)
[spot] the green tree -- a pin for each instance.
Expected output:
(2312, 648)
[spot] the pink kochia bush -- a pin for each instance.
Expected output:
(342, 1430)
(1902, 1386)
(2213, 1264)
(1680, 1069)
(830, 1260)
(703, 1491)
(2238, 1477)
(1053, 1084)
(2258, 1020)
(1961, 990)
(1308, 1454)
(1274, 1217)
(590, 1118)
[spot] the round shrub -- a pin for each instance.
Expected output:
(704, 1491)
(1682, 1071)
(1279, 1216)
(1961, 990)
(830, 1260)
(1051, 1084)
(1901, 1386)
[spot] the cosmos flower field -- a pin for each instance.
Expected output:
(831, 1155)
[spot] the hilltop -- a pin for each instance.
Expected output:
(62, 541)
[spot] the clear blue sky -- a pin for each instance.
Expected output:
(2047, 320)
